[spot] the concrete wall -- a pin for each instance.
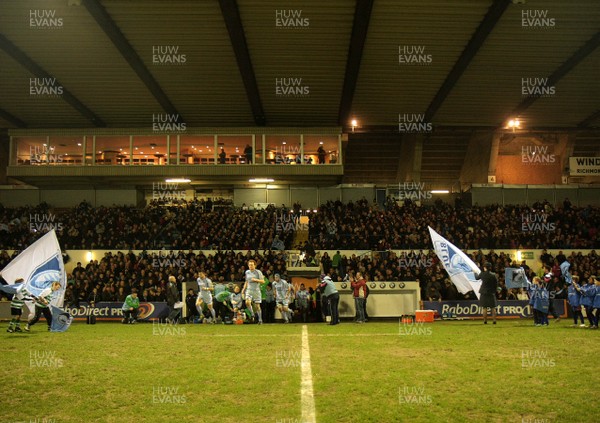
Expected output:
(309, 197)
(512, 170)
(18, 197)
(529, 194)
(83, 256)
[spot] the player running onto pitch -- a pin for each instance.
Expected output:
(251, 289)
(205, 288)
(282, 297)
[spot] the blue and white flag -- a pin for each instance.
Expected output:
(39, 265)
(566, 273)
(61, 320)
(459, 266)
(11, 289)
(515, 278)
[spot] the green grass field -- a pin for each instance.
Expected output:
(378, 372)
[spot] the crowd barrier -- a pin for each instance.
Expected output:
(103, 311)
(505, 309)
(460, 309)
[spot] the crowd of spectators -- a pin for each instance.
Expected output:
(217, 225)
(114, 276)
(359, 225)
(425, 268)
(184, 225)
(363, 226)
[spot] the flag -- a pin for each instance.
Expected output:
(564, 270)
(39, 265)
(515, 278)
(11, 289)
(459, 266)
(61, 320)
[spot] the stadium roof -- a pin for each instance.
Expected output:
(456, 63)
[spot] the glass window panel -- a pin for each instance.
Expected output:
(30, 150)
(320, 149)
(234, 147)
(111, 150)
(66, 150)
(150, 149)
(196, 149)
(283, 149)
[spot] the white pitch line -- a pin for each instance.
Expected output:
(273, 335)
(306, 387)
(353, 334)
(242, 335)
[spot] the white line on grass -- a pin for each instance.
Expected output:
(306, 386)
(271, 335)
(354, 334)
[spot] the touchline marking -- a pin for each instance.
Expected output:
(306, 387)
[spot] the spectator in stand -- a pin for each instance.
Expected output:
(248, 154)
(433, 294)
(321, 154)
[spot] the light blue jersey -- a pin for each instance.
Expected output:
(253, 288)
(281, 289)
(204, 292)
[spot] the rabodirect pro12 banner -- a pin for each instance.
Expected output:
(472, 309)
(113, 311)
